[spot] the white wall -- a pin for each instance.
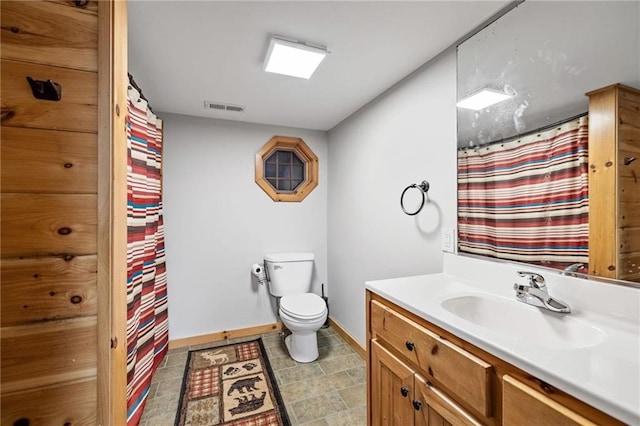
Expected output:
(405, 136)
(218, 222)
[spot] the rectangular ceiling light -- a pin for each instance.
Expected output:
(482, 99)
(294, 58)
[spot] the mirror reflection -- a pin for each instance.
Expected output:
(526, 163)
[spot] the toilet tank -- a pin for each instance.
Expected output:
(289, 273)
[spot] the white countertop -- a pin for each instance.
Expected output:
(605, 374)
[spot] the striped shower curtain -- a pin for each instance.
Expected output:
(527, 199)
(147, 321)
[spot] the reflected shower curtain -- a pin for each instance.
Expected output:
(147, 320)
(527, 199)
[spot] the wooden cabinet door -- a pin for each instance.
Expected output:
(392, 390)
(524, 405)
(436, 408)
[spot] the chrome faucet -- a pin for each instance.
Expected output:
(536, 294)
(571, 270)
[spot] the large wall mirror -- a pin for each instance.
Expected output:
(537, 61)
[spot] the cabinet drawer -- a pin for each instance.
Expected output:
(463, 374)
(523, 405)
(438, 408)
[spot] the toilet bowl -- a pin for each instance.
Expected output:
(303, 314)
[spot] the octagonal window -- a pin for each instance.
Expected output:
(286, 169)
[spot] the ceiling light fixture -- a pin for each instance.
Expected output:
(293, 58)
(482, 99)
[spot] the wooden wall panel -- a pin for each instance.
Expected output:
(50, 33)
(76, 111)
(44, 224)
(629, 184)
(48, 161)
(602, 183)
(44, 354)
(47, 288)
(630, 266)
(49, 213)
(69, 404)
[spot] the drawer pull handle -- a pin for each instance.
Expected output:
(410, 345)
(417, 405)
(404, 391)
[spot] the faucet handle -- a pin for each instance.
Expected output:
(535, 280)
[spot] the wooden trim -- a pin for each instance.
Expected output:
(303, 151)
(224, 335)
(348, 338)
(112, 213)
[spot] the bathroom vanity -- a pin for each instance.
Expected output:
(450, 349)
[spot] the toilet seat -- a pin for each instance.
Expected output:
(307, 306)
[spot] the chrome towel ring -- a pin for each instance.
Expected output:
(424, 188)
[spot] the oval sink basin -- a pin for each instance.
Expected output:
(525, 323)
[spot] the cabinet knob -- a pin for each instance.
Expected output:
(404, 391)
(417, 405)
(410, 345)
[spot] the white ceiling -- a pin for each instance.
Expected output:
(182, 53)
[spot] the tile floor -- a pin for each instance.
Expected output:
(328, 392)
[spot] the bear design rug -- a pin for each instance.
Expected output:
(230, 385)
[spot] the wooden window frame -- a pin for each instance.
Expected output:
(307, 156)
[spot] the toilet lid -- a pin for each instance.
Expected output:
(306, 305)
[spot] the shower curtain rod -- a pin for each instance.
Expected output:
(522, 135)
(133, 83)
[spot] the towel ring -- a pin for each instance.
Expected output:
(424, 188)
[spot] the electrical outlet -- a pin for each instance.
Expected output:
(449, 240)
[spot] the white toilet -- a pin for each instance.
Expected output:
(303, 313)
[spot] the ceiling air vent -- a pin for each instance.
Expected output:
(219, 106)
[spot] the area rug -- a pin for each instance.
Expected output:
(230, 385)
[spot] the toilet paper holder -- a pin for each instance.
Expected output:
(257, 270)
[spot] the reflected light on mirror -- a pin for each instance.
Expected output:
(482, 99)
(293, 58)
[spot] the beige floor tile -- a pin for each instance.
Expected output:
(307, 388)
(178, 358)
(169, 373)
(354, 396)
(318, 407)
(333, 351)
(169, 387)
(165, 419)
(277, 350)
(354, 417)
(271, 341)
(341, 363)
(318, 422)
(281, 362)
(329, 340)
(358, 374)
(298, 373)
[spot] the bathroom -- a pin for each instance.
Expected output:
(361, 176)
(219, 221)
